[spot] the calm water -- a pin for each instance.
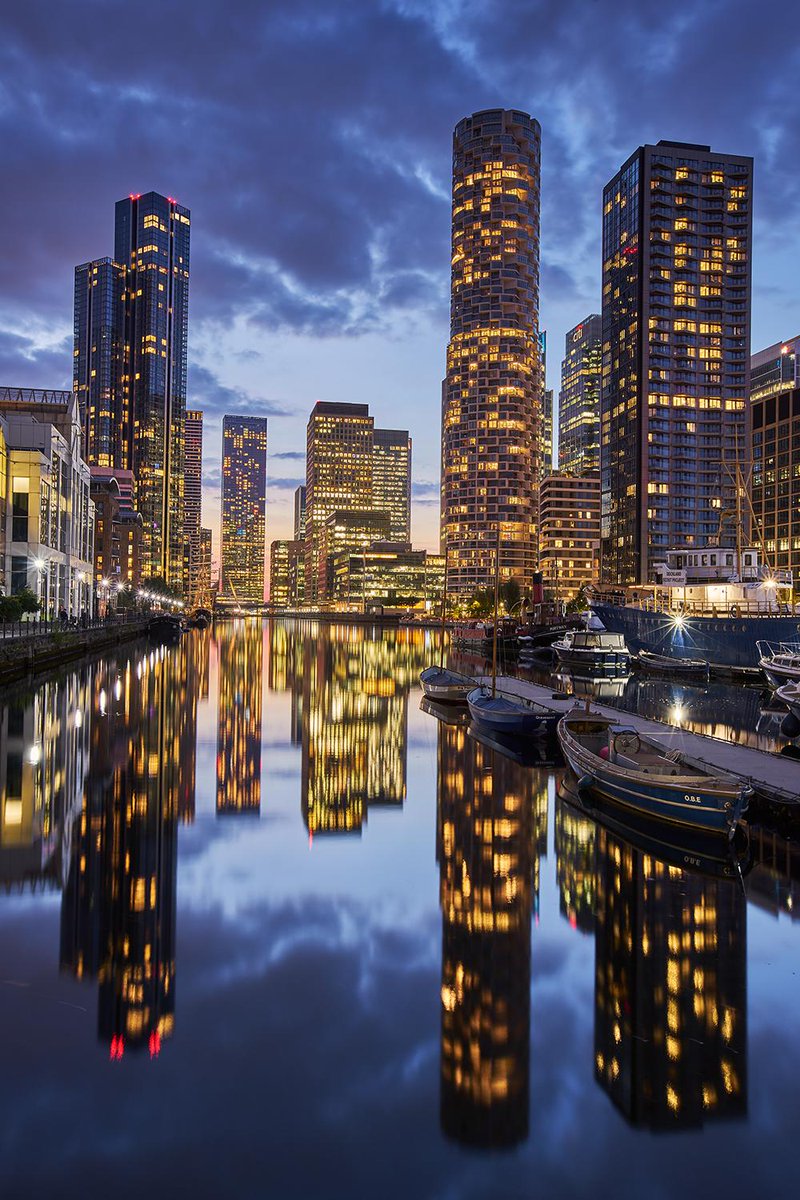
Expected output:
(267, 929)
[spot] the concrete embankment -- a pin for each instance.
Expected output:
(22, 656)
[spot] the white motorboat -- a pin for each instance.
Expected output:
(593, 650)
(780, 661)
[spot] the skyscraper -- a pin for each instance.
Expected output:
(152, 244)
(774, 413)
(244, 500)
(97, 362)
(391, 480)
(192, 500)
(339, 458)
(579, 398)
(492, 393)
(241, 684)
(546, 412)
(677, 224)
(300, 514)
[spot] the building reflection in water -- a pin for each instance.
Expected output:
(670, 990)
(355, 681)
(575, 865)
(240, 646)
(44, 755)
(118, 908)
(486, 837)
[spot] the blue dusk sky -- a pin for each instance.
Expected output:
(312, 142)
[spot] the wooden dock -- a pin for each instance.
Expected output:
(775, 778)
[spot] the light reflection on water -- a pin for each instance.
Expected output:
(256, 902)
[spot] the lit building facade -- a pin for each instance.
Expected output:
(98, 356)
(579, 398)
(670, 990)
(152, 244)
(546, 412)
(388, 576)
(284, 558)
(204, 568)
(49, 527)
(484, 851)
(192, 501)
(300, 514)
(492, 395)
(677, 232)
(240, 648)
(569, 532)
(353, 530)
(339, 459)
(391, 480)
(775, 438)
(244, 507)
(575, 865)
(117, 534)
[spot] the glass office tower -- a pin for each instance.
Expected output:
(152, 243)
(391, 480)
(192, 500)
(579, 398)
(244, 503)
(97, 361)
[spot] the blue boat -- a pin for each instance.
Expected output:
(725, 640)
(507, 713)
(624, 766)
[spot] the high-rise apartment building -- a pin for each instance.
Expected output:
(300, 514)
(192, 499)
(97, 362)
(204, 568)
(244, 503)
(775, 438)
(391, 480)
(241, 685)
(579, 398)
(677, 226)
(569, 532)
(130, 336)
(545, 455)
(152, 244)
(339, 459)
(491, 403)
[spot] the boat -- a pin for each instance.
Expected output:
(527, 752)
(780, 662)
(593, 650)
(633, 770)
(444, 685)
(448, 714)
(789, 695)
(438, 682)
(508, 713)
(674, 845)
(715, 603)
(165, 627)
(605, 687)
(666, 664)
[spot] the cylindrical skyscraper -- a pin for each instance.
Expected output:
(491, 396)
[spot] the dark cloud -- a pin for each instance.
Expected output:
(295, 455)
(425, 493)
(216, 400)
(24, 363)
(284, 483)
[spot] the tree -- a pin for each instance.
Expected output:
(28, 603)
(510, 594)
(578, 602)
(10, 608)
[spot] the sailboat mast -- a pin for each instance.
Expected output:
(444, 609)
(496, 602)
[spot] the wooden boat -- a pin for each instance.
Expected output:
(448, 714)
(445, 686)
(675, 845)
(631, 769)
(507, 713)
(664, 664)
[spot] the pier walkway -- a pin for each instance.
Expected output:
(774, 777)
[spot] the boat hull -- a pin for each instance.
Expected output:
(594, 662)
(724, 641)
(681, 800)
(443, 687)
(511, 720)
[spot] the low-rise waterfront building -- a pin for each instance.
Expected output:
(389, 575)
(569, 532)
(49, 534)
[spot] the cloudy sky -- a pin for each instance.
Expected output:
(312, 141)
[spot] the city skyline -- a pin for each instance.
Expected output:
(282, 309)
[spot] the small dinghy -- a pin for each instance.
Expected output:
(505, 712)
(445, 686)
(631, 769)
(664, 664)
